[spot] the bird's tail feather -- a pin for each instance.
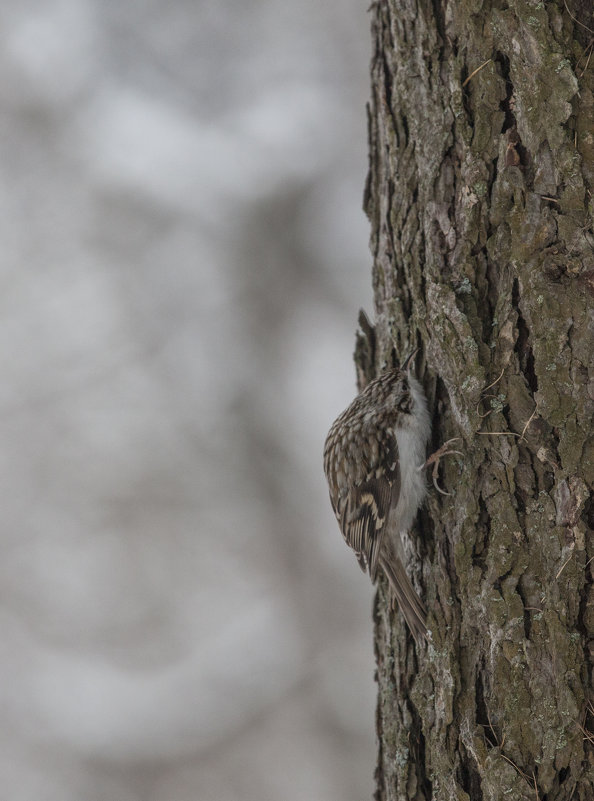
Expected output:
(410, 604)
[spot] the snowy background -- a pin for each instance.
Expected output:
(183, 259)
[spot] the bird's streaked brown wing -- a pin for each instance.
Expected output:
(362, 507)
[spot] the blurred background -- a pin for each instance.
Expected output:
(183, 259)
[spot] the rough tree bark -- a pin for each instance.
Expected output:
(481, 132)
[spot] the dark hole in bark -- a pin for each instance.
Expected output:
(563, 774)
(418, 748)
(510, 120)
(523, 345)
(481, 713)
(470, 779)
(527, 618)
(388, 84)
(479, 550)
(405, 129)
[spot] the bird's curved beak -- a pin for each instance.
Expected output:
(407, 363)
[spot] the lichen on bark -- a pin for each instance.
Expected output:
(481, 129)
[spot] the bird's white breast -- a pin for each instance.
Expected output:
(412, 441)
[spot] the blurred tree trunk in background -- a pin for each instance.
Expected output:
(481, 133)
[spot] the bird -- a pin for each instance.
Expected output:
(374, 456)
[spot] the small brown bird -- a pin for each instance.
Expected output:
(373, 459)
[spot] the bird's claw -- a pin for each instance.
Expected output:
(434, 460)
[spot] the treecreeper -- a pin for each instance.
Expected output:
(374, 457)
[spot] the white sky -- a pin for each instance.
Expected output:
(184, 257)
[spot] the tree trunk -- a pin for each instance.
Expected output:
(481, 133)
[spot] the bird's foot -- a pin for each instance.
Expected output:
(434, 460)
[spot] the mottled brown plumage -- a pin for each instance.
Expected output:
(372, 460)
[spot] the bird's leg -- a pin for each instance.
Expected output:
(434, 460)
